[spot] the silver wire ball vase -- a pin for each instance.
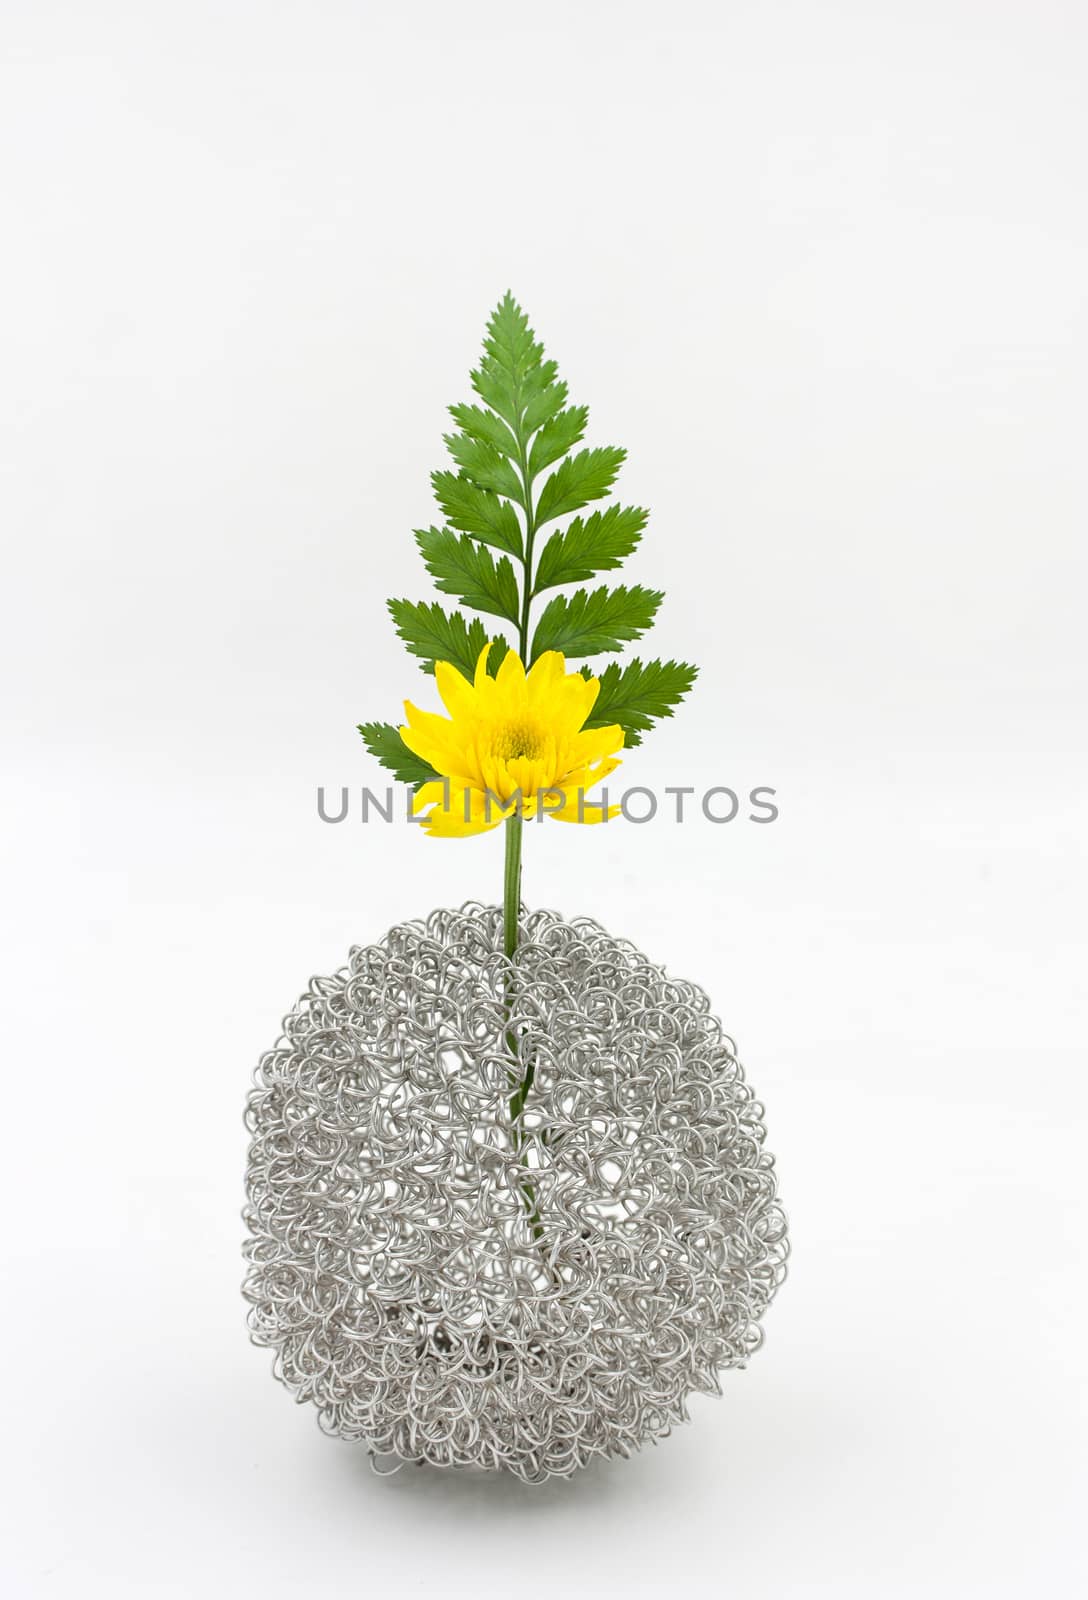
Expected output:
(453, 1285)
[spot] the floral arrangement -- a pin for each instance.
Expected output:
(509, 1204)
(524, 736)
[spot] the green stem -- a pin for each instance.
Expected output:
(511, 903)
(514, 823)
(511, 897)
(512, 878)
(527, 561)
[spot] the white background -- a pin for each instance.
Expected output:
(821, 268)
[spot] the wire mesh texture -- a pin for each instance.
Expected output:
(448, 1284)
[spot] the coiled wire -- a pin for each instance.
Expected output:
(449, 1289)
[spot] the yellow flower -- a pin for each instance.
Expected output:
(514, 742)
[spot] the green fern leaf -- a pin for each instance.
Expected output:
(542, 405)
(513, 378)
(486, 427)
(637, 694)
(512, 396)
(523, 430)
(598, 544)
(587, 476)
(589, 622)
(496, 390)
(557, 437)
(462, 567)
(438, 635)
(383, 741)
(512, 371)
(484, 466)
(510, 342)
(478, 511)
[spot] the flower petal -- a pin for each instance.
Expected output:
(430, 794)
(545, 674)
(458, 694)
(435, 743)
(593, 744)
(591, 811)
(510, 678)
(481, 666)
(469, 811)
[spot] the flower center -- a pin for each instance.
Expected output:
(518, 739)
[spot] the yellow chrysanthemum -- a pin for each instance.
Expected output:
(511, 743)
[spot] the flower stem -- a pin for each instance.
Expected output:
(511, 904)
(511, 899)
